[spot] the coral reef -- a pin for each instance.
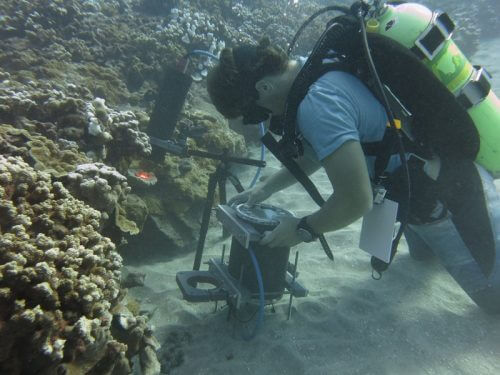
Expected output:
(43, 154)
(98, 184)
(118, 131)
(131, 214)
(138, 336)
(176, 202)
(60, 284)
(72, 115)
(124, 60)
(44, 109)
(57, 129)
(59, 277)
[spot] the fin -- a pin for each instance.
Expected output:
(461, 187)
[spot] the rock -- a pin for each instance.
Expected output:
(133, 279)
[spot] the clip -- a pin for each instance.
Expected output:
(379, 193)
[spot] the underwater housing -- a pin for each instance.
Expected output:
(252, 271)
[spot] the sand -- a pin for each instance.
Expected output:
(487, 57)
(416, 320)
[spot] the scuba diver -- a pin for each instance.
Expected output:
(397, 120)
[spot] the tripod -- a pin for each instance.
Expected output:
(219, 179)
(216, 179)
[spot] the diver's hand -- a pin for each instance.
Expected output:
(250, 196)
(284, 235)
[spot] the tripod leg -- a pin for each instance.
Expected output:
(222, 187)
(235, 181)
(223, 195)
(212, 185)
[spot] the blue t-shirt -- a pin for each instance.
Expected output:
(338, 108)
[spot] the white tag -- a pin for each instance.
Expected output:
(377, 230)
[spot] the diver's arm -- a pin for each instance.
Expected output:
(276, 182)
(353, 197)
(283, 178)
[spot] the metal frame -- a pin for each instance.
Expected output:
(228, 287)
(435, 23)
(476, 89)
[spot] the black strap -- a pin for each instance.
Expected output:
(382, 150)
(274, 147)
(328, 54)
(380, 266)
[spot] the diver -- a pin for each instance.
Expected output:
(454, 212)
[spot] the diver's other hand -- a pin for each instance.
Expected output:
(284, 235)
(250, 196)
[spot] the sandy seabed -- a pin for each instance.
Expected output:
(415, 320)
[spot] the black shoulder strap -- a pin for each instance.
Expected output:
(328, 54)
(275, 148)
(382, 150)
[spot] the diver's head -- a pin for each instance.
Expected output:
(248, 82)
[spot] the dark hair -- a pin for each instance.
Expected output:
(231, 84)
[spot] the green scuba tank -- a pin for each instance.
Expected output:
(428, 35)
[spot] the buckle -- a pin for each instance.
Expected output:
(379, 193)
(476, 89)
(291, 148)
(432, 39)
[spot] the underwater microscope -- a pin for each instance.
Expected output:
(252, 272)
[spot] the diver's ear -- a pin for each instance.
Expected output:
(264, 86)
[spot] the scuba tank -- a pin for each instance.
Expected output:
(428, 35)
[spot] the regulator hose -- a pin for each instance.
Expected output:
(378, 265)
(337, 8)
(260, 316)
